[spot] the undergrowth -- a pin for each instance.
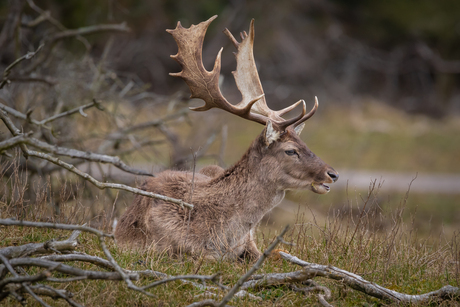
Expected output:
(382, 248)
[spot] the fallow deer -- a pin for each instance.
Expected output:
(228, 204)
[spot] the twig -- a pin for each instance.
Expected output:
(57, 294)
(14, 131)
(183, 277)
(122, 27)
(11, 222)
(7, 70)
(80, 109)
(117, 268)
(254, 268)
(103, 263)
(43, 122)
(43, 290)
(323, 298)
(277, 279)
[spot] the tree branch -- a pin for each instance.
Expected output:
(122, 27)
(358, 283)
(73, 153)
(41, 248)
(7, 70)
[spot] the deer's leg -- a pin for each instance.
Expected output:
(250, 249)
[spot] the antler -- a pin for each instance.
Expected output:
(205, 85)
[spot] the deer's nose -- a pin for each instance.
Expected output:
(333, 175)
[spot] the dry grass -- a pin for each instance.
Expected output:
(381, 248)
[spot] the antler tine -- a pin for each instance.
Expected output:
(289, 109)
(246, 75)
(310, 114)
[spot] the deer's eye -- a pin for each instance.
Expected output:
(291, 152)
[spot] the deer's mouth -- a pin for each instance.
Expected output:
(320, 188)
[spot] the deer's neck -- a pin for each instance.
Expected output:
(245, 188)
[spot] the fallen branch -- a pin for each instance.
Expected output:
(41, 248)
(358, 283)
(275, 279)
(65, 269)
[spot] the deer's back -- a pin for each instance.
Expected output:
(164, 224)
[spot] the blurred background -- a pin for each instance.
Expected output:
(387, 75)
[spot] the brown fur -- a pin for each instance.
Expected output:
(228, 204)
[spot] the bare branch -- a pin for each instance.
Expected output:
(65, 269)
(95, 103)
(103, 263)
(122, 27)
(55, 293)
(73, 153)
(7, 70)
(47, 80)
(358, 283)
(155, 122)
(200, 277)
(43, 290)
(16, 277)
(321, 297)
(21, 279)
(254, 268)
(277, 279)
(43, 122)
(40, 248)
(11, 222)
(14, 131)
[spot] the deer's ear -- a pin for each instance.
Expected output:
(299, 128)
(271, 135)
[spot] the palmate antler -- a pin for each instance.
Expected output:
(205, 84)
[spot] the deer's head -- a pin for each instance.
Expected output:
(292, 164)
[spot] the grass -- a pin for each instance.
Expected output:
(379, 246)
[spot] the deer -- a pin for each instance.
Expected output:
(228, 203)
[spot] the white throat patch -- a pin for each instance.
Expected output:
(271, 135)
